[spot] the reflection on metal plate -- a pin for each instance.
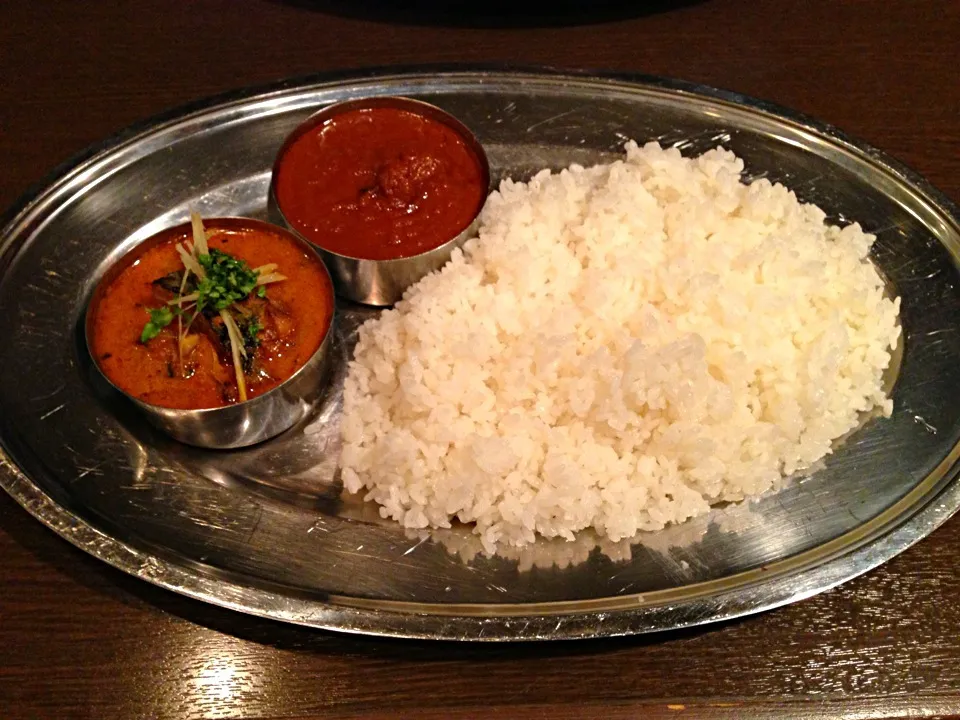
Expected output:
(267, 530)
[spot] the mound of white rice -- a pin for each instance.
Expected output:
(621, 346)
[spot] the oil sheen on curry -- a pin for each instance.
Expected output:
(208, 317)
(379, 183)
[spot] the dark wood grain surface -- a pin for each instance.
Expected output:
(78, 639)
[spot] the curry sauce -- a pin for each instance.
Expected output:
(288, 321)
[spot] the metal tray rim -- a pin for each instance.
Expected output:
(345, 614)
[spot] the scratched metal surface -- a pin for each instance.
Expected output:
(267, 530)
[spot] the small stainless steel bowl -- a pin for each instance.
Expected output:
(245, 423)
(380, 282)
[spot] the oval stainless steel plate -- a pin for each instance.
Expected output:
(267, 530)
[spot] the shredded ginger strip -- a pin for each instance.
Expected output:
(192, 297)
(270, 278)
(199, 234)
(190, 262)
(236, 349)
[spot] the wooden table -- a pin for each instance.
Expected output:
(78, 639)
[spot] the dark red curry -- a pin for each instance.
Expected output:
(380, 183)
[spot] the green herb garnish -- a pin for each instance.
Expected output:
(252, 332)
(159, 319)
(228, 280)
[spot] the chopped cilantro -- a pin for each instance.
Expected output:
(159, 319)
(252, 332)
(228, 280)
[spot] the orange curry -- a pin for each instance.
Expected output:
(283, 324)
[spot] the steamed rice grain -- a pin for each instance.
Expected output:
(620, 347)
